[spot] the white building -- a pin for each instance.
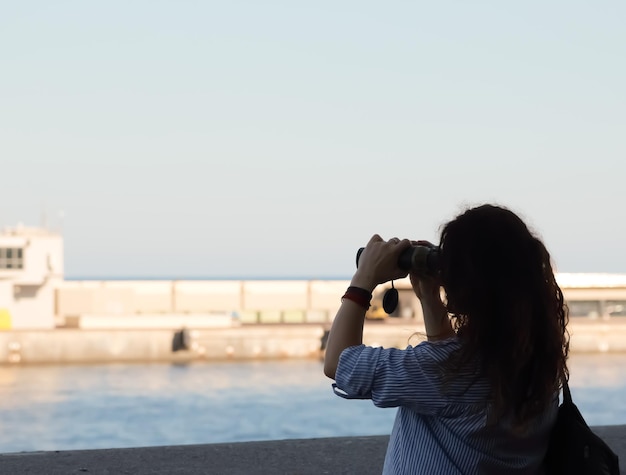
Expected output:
(31, 268)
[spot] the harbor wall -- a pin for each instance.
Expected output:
(237, 342)
(272, 301)
(109, 321)
(110, 304)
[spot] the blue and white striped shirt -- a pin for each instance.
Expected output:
(437, 431)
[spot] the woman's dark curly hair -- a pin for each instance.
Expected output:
(506, 308)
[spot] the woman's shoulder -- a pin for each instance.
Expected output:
(450, 341)
(437, 349)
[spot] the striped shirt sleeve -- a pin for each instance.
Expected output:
(393, 377)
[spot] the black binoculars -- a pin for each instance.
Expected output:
(419, 259)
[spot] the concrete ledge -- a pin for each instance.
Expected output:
(342, 455)
(237, 343)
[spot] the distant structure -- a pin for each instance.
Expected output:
(31, 269)
(35, 296)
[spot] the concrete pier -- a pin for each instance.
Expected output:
(342, 455)
(240, 342)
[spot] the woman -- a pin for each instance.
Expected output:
(481, 394)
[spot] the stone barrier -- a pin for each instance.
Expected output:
(236, 342)
(342, 455)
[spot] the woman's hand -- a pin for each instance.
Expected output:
(425, 286)
(428, 291)
(379, 262)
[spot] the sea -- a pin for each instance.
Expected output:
(46, 408)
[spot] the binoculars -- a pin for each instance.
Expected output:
(419, 259)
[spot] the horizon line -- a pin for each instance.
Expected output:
(249, 277)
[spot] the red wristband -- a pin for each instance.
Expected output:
(359, 296)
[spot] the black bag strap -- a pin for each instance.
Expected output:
(567, 395)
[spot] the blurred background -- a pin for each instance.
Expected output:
(239, 140)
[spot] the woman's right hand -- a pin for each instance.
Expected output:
(425, 286)
(428, 290)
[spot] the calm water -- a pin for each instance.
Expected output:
(104, 406)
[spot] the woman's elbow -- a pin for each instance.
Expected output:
(330, 368)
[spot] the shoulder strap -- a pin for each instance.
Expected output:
(567, 395)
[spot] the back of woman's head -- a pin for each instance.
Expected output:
(506, 306)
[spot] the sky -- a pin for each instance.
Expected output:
(189, 139)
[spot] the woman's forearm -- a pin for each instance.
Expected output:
(378, 263)
(346, 331)
(436, 320)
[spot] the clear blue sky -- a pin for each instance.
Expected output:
(246, 138)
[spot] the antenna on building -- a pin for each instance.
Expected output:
(44, 217)
(61, 218)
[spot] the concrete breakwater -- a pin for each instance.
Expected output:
(242, 342)
(236, 342)
(93, 346)
(97, 304)
(154, 304)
